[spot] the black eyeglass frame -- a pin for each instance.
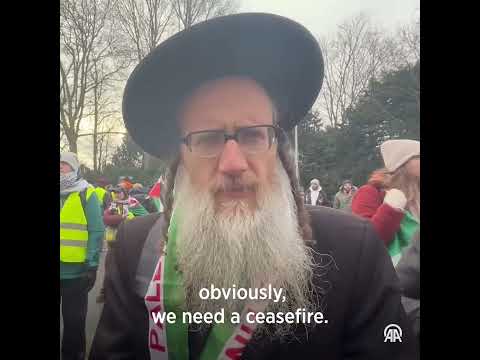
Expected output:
(228, 136)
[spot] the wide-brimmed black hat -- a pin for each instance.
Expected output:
(278, 53)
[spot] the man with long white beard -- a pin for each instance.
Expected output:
(234, 218)
(238, 246)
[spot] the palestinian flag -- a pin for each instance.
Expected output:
(154, 194)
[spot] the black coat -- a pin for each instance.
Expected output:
(408, 271)
(363, 296)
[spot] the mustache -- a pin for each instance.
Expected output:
(234, 184)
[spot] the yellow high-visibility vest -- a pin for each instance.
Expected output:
(100, 194)
(73, 229)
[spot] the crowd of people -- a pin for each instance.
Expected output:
(390, 200)
(231, 213)
(89, 218)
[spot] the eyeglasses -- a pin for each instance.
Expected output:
(252, 140)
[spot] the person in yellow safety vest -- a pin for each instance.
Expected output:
(81, 232)
(103, 198)
(117, 212)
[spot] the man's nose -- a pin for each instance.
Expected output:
(232, 160)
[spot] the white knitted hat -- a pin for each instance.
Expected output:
(71, 159)
(395, 153)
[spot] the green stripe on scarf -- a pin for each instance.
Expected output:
(217, 339)
(156, 202)
(403, 237)
(174, 298)
(174, 301)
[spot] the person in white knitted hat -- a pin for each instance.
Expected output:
(81, 233)
(315, 195)
(391, 198)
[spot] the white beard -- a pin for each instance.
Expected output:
(250, 249)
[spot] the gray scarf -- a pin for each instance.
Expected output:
(70, 182)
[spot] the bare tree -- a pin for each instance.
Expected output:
(407, 50)
(189, 12)
(357, 54)
(142, 24)
(103, 110)
(81, 26)
(103, 150)
(63, 141)
(103, 101)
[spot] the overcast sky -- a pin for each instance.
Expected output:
(321, 17)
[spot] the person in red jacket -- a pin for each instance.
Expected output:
(393, 190)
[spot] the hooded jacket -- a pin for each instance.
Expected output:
(322, 199)
(343, 201)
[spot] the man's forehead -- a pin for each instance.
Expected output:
(232, 93)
